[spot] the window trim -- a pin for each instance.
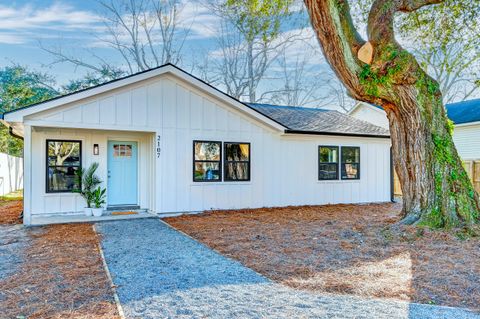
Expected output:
(338, 163)
(207, 161)
(358, 163)
(225, 162)
(47, 166)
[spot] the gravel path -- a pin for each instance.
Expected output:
(13, 240)
(161, 273)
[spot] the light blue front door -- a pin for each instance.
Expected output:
(122, 173)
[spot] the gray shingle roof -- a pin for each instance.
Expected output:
(310, 120)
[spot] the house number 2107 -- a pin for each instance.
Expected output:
(158, 146)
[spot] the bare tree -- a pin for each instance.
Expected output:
(456, 67)
(249, 41)
(302, 84)
(145, 34)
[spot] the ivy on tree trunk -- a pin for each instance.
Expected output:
(436, 189)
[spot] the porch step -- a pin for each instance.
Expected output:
(80, 218)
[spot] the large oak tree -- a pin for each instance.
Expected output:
(436, 189)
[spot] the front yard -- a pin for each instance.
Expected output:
(345, 249)
(51, 272)
(57, 271)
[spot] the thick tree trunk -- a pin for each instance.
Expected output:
(436, 189)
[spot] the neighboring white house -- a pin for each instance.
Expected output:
(465, 115)
(11, 173)
(169, 142)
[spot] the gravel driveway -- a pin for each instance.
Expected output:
(161, 273)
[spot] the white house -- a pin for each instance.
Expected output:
(465, 115)
(168, 142)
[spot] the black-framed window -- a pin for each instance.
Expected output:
(350, 162)
(64, 159)
(237, 161)
(327, 162)
(207, 159)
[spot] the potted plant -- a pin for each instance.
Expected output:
(98, 198)
(88, 180)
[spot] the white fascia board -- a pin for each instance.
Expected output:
(19, 115)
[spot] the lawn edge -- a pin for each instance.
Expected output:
(109, 276)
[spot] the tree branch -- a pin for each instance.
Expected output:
(340, 41)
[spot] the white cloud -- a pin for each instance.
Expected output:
(201, 21)
(28, 23)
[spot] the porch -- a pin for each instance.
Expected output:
(126, 166)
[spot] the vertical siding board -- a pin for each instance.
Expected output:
(107, 110)
(91, 113)
(123, 108)
(73, 115)
(196, 111)
(139, 106)
(154, 104)
(169, 104)
(182, 108)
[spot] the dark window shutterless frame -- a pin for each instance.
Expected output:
(226, 161)
(322, 177)
(48, 166)
(219, 161)
(356, 162)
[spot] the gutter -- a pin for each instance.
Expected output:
(335, 134)
(10, 131)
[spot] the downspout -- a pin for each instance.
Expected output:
(10, 132)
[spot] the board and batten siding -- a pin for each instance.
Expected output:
(174, 113)
(467, 141)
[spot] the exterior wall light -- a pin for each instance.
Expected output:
(96, 149)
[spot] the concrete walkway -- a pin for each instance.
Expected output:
(161, 273)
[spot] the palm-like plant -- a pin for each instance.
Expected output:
(88, 181)
(98, 197)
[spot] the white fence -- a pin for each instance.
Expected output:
(11, 173)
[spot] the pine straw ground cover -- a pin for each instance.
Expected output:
(345, 249)
(10, 212)
(61, 275)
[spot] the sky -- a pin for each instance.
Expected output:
(76, 28)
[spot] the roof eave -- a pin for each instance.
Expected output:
(336, 134)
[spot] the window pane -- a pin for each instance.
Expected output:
(116, 150)
(63, 153)
(350, 171)
(328, 171)
(328, 154)
(237, 152)
(237, 171)
(205, 171)
(350, 154)
(128, 150)
(62, 179)
(207, 151)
